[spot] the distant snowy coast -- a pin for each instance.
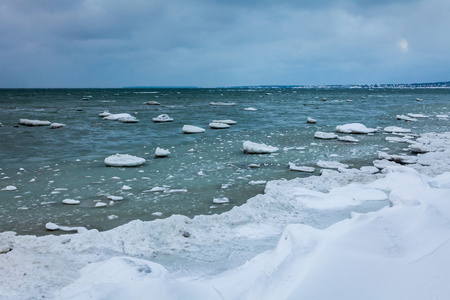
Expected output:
(398, 251)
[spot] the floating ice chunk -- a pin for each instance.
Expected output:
(214, 125)
(347, 138)
(104, 114)
(160, 152)
(254, 166)
(369, 169)
(157, 213)
(357, 128)
(257, 182)
(157, 189)
(71, 201)
(417, 115)
(221, 200)
(222, 103)
(311, 121)
(406, 118)
(126, 188)
(325, 135)
(129, 119)
(394, 139)
(152, 103)
(162, 118)
(255, 148)
(189, 129)
(28, 122)
(115, 198)
(331, 164)
(124, 160)
(392, 129)
(442, 116)
(115, 117)
(229, 122)
(171, 191)
(51, 226)
(401, 159)
(250, 109)
(57, 125)
(294, 167)
(9, 188)
(100, 204)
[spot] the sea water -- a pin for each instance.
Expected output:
(50, 165)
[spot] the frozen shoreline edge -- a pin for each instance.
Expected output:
(135, 238)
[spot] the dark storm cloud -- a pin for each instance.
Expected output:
(216, 43)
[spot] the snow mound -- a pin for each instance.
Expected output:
(255, 148)
(124, 160)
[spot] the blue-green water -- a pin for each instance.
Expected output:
(49, 165)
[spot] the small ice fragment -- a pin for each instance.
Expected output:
(126, 188)
(100, 204)
(51, 226)
(71, 201)
(9, 188)
(115, 198)
(221, 200)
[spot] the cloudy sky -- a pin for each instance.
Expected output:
(209, 43)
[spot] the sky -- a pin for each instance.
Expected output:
(217, 43)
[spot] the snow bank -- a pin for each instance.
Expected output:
(356, 128)
(124, 160)
(255, 148)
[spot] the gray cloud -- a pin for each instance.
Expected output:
(109, 43)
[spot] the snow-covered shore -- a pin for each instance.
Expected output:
(324, 251)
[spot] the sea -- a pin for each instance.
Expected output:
(40, 167)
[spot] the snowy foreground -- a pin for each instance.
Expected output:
(401, 251)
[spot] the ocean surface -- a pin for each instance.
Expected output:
(47, 165)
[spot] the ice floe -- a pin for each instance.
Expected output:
(160, 152)
(216, 125)
(190, 129)
(356, 128)
(122, 117)
(124, 160)
(406, 118)
(28, 122)
(401, 159)
(325, 135)
(162, 118)
(395, 129)
(311, 120)
(57, 125)
(256, 148)
(294, 167)
(71, 201)
(221, 200)
(250, 109)
(347, 138)
(331, 164)
(223, 103)
(9, 188)
(152, 103)
(229, 122)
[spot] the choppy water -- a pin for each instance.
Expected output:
(49, 165)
